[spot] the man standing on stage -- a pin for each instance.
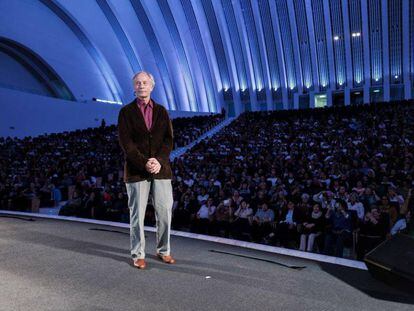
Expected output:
(146, 137)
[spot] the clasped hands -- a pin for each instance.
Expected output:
(153, 166)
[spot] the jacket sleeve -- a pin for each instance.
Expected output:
(129, 148)
(163, 153)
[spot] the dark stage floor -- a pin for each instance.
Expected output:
(61, 265)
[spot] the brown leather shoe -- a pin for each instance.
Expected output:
(166, 258)
(140, 263)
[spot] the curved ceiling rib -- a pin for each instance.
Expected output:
(121, 35)
(156, 49)
(347, 37)
(301, 24)
(201, 53)
(280, 56)
(287, 45)
(312, 44)
(266, 103)
(323, 76)
(252, 85)
(236, 45)
(326, 17)
(296, 48)
(217, 43)
(171, 58)
(207, 42)
(270, 45)
(182, 57)
(38, 68)
(253, 46)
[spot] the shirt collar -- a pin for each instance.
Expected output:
(141, 102)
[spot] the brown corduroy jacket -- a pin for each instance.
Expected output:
(139, 144)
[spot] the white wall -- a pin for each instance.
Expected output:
(33, 115)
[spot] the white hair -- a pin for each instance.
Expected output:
(148, 75)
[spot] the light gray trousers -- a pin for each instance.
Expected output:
(138, 193)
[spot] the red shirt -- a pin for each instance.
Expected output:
(146, 110)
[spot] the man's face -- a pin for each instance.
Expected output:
(143, 86)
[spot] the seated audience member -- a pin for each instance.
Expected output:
(373, 231)
(240, 222)
(185, 211)
(223, 218)
(369, 198)
(94, 206)
(342, 194)
(261, 222)
(244, 190)
(355, 205)
(312, 228)
(325, 199)
(304, 207)
(204, 216)
(236, 199)
(400, 225)
(286, 229)
(118, 209)
(393, 196)
(72, 206)
(359, 189)
(203, 196)
(339, 229)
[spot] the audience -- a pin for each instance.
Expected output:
(310, 179)
(349, 160)
(188, 129)
(83, 168)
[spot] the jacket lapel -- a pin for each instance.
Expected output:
(155, 114)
